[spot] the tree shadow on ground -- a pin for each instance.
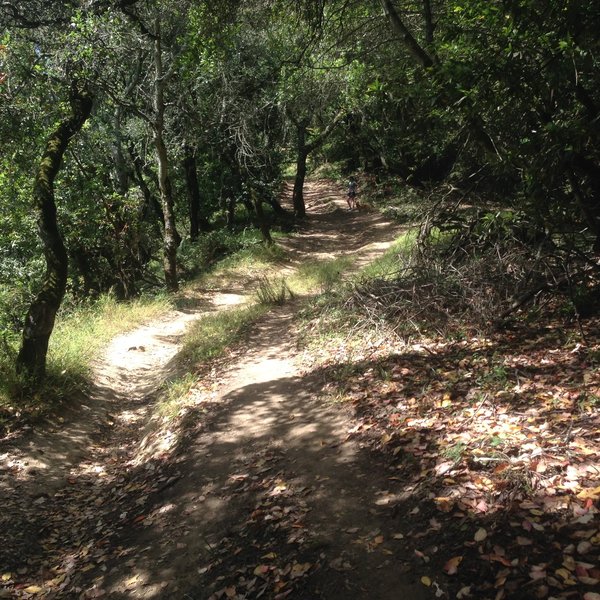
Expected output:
(468, 465)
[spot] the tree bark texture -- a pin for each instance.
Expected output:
(170, 236)
(429, 24)
(39, 322)
(262, 222)
(151, 206)
(417, 52)
(304, 150)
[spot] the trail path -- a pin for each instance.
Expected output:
(259, 492)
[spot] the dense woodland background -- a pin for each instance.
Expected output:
(141, 140)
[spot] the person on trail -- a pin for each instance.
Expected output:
(352, 188)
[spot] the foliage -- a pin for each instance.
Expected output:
(499, 112)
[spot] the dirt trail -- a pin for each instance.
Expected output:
(258, 493)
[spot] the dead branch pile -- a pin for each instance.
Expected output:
(477, 271)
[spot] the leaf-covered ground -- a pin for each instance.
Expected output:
(465, 469)
(493, 450)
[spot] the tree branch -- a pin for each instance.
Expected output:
(415, 49)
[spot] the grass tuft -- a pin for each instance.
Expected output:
(273, 292)
(321, 275)
(208, 337)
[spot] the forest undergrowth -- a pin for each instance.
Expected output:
(472, 367)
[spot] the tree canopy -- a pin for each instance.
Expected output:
(197, 109)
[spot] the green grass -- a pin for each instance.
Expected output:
(78, 338)
(177, 395)
(207, 338)
(256, 257)
(247, 263)
(320, 275)
(329, 323)
(80, 335)
(273, 292)
(391, 262)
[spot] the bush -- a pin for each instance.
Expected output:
(197, 257)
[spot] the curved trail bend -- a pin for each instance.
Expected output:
(257, 493)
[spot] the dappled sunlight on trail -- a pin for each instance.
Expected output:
(258, 471)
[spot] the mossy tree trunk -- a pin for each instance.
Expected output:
(39, 322)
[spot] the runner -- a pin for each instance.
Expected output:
(352, 188)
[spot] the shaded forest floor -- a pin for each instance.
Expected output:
(465, 469)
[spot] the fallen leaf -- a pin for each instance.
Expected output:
(426, 580)
(299, 569)
(565, 575)
(480, 535)
(523, 541)
(451, 567)
(260, 570)
(591, 493)
(497, 558)
(584, 547)
(33, 589)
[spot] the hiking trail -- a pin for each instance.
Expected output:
(258, 491)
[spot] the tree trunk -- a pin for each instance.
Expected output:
(197, 222)
(298, 194)
(121, 173)
(171, 238)
(277, 208)
(404, 33)
(429, 24)
(230, 212)
(304, 149)
(262, 222)
(39, 322)
(151, 204)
